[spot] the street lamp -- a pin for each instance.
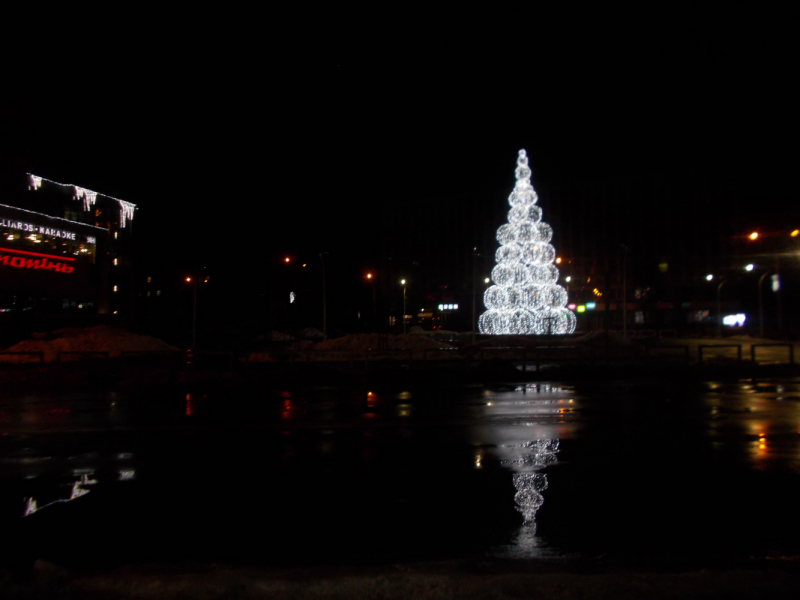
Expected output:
(403, 283)
(776, 254)
(719, 309)
(324, 300)
(193, 280)
(369, 277)
(194, 310)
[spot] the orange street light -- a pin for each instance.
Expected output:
(558, 260)
(286, 259)
(188, 280)
(795, 233)
(369, 275)
(754, 235)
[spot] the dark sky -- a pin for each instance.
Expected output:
(281, 132)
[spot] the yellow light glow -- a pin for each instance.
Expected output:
(795, 233)
(188, 280)
(558, 260)
(403, 281)
(286, 259)
(369, 275)
(754, 235)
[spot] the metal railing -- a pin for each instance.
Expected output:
(704, 346)
(789, 346)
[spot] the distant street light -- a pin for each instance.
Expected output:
(709, 277)
(750, 267)
(374, 303)
(193, 281)
(754, 235)
(403, 283)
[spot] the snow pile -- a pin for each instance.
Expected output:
(310, 333)
(100, 338)
(279, 336)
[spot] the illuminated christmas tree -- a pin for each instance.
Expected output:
(525, 298)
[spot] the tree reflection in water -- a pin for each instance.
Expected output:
(530, 485)
(522, 428)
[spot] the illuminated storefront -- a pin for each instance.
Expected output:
(63, 248)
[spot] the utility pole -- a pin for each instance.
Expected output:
(474, 294)
(624, 292)
(324, 300)
(761, 306)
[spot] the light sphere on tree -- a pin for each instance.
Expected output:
(525, 300)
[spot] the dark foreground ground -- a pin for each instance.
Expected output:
(771, 573)
(774, 578)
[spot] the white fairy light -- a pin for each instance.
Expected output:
(30, 506)
(525, 299)
(88, 196)
(125, 212)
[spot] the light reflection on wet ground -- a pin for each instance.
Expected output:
(537, 471)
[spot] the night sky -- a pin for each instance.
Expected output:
(242, 138)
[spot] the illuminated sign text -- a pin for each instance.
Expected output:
(31, 228)
(44, 262)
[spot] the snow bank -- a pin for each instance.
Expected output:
(100, 338)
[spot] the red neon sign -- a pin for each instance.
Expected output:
(42, 264)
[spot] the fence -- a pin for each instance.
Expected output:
(789, 346)
(717, 346)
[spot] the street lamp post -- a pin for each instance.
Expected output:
(624, 292)
(719, 310)
(324, 300)
(193, 279)
(474, 294)
(761, 306)
(374, 303)
(403, 282)
(194, 315)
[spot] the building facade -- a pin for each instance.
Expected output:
(65, 251)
